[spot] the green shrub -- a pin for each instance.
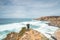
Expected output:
(22, 31)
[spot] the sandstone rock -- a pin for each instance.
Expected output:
(54, 20)
(27, 35)
(12, 36)
(33, 35)
(57, 34)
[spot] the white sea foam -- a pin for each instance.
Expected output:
(5, 29)
(42, 27)
(13, 26)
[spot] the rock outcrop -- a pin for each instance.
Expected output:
(33, 35)
(26, 35)
(11, 36)
(57, 34)
(54, 20)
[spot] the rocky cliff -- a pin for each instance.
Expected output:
(26, 35)
(57, 34)
(54, 20)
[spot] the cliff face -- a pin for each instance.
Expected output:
(57, 34)
(27, 35)
(33, 35)
(11, 36)
(54, 20)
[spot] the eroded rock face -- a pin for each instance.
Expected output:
(28, 35)
(33, 35)
(57, 34)
(12, 36)
(54, 20)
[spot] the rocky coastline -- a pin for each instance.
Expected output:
(30, 34)
(54, 20)
(25, 34)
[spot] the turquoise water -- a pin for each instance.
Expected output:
(15, 25)
(8, 25)
(13, 20)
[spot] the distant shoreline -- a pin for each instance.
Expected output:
(54, 20)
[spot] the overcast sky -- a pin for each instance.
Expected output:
(29, 8)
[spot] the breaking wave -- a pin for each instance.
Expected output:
(40, 26)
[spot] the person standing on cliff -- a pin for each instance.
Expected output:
(28, 26)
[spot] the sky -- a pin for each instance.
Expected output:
(29, 8)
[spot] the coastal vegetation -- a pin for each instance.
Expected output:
(29, 35)
(22, 31)
(14, 35)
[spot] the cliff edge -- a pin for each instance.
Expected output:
(25, 34)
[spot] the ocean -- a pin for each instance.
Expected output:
(8, 25)
(13, 20)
